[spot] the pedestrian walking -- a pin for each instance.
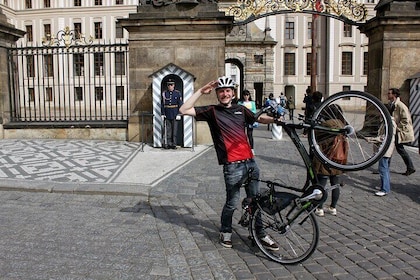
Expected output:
(291, 107)
(405, 132)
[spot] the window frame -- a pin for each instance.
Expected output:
(290, 64)
(98, 29)
(29, 33)
(347, 30)
(99, 63)
(119, 63)
(119, 93)
(347, 63)
(48, 60)
(289, 30)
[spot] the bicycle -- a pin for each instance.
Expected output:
(288, 215)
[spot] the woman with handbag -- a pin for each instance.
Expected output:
(337, 149)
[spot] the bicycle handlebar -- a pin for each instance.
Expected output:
(347, 130)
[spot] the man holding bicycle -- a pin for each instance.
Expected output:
(227, 124)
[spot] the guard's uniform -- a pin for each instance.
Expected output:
(170, 103)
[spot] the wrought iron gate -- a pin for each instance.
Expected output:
(71, 84)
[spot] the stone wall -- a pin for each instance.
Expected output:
(394, 47)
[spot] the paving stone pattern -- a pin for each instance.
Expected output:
(173, 233)
(64, 160)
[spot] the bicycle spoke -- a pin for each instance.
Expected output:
(296, 241)
(361, 114)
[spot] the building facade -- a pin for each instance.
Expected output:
(270, 55)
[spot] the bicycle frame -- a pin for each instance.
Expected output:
(289, 215)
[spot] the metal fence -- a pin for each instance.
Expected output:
(68, 84)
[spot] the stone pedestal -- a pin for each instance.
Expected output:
(394, 47)
(191, 37)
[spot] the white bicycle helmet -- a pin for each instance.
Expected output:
(225, 82)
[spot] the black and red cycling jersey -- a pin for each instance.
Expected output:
(227, 127)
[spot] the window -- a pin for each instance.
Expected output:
(290, 30)
(98, 2)
(28, 4)
(347, 63)
(47, 31)
(346, 88)
(99, 64)
(78, 94)
(30, 65)
(310, 30)
(365, 63)
(78, 64)
(347, 30)
(29, 33)
(289, 64)
(6, 3)
(48, 94)
(98, 30)
(308, 64)
(371, 1)
(259, 59)
(31, 94)
(77, 29)
(99, 93)
(119, 90)
(48, 65)
(119, 31)
(119, 63)
(119, 2)
(77, 3)
(47, 4)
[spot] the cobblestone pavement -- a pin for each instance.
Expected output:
(173, 232)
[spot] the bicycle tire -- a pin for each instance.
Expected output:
(362, 114)
(296, 242)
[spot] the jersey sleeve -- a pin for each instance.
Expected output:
(249, 116)
(203, 113)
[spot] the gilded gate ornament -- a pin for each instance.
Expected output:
(245, 11)
(66, 37)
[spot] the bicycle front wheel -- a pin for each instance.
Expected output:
(362, 114)
(296, 241)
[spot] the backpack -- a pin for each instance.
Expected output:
(338, 149)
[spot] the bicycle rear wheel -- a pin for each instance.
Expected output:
(362, 115)
(296, 241)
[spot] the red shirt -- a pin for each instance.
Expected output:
(227, 126)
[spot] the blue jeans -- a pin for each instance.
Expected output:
(383, 168)
(232, 174)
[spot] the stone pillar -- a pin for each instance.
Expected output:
(394, 47)
(8, 36)
(190, 35)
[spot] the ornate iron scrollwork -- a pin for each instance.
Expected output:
(67, 37)
(245, 11)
